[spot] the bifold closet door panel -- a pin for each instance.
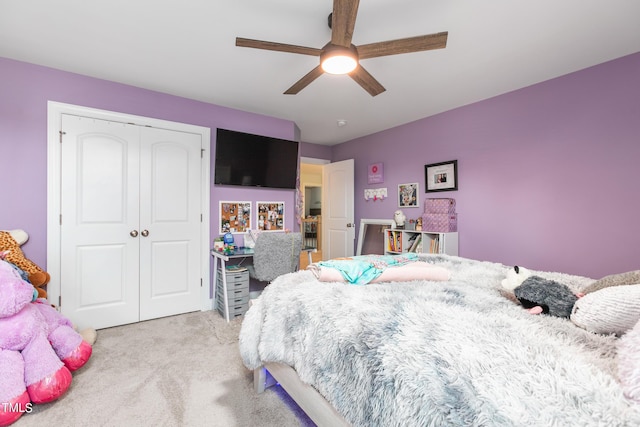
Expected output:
(99, 213)
(170, 216)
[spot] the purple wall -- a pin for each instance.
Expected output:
(24, 92)
(315, 151)
(548, 175)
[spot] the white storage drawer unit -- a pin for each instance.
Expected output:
(237, 292)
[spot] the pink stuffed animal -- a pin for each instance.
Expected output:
(30, 370)
(67, 343)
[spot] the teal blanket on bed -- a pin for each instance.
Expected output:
(362, 269)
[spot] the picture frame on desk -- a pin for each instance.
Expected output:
(441, 176)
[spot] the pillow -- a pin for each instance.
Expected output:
(628, 278)
(608, 311)
(629, 363)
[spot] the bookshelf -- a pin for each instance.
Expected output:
(399, 241)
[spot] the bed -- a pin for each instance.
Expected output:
(418, 353)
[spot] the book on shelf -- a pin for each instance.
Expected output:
(434, 247)
(416, 243)
(395, 241)
(391, 241)
(235, 268)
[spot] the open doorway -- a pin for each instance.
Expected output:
(311, 227)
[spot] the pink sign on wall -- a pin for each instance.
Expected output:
(375, 173)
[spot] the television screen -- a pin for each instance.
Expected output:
(254, 160)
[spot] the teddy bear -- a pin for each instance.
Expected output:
(539, 295)
(37, 351)
(10, 242)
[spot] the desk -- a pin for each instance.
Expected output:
(222, 258)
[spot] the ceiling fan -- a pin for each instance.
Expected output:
(339, 51)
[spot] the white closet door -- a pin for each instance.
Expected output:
(99, 205)
(170, 218)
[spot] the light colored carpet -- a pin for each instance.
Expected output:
(176, 371)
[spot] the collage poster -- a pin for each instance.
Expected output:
(235, 217)
(271, 216)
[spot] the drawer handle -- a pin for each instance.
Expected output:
(238, 292)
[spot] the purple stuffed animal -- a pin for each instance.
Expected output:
(30, 370)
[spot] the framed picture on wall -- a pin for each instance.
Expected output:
(408, 195)
(270, 216)
(441, 176)
(235, 217)
(375, 173)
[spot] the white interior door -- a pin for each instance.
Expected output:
(170, 218)
(338, 229)
(99, 272)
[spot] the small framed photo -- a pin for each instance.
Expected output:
(441, 176)
(235, 217)
(270, 216)
(408, 195)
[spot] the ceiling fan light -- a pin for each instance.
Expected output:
(339, 64)
(338, 59)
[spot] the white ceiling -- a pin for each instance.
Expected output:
(187, 48)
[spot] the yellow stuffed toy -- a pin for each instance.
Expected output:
(10, 242)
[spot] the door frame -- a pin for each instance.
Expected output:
(55, 110)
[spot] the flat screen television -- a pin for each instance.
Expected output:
(255, 160)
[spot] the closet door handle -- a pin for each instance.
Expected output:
(134, 233)
(145, 233)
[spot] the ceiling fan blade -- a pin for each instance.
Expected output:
(281, 47)
(367, 81)
(407, 45)
(343, 21)
(305, 81)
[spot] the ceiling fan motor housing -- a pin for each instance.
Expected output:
(339, 53)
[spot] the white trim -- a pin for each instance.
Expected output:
(314, 161)
(55, 110)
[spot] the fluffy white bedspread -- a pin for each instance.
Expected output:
(426, 353)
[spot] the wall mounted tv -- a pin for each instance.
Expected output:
(254, 160)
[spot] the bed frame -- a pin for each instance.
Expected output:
(307, 397)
